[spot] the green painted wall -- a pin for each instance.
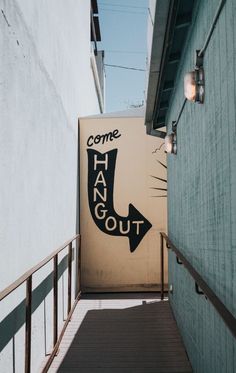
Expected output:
(202, 192)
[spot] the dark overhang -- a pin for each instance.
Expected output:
(171, 24)
(94, 6)
(95, 27)
(96, 33)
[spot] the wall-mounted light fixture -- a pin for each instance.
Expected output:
(194, 82)
(171, 140)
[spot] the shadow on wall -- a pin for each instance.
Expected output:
(137, 339)
(11, 324)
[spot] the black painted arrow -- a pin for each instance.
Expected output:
(101, 173)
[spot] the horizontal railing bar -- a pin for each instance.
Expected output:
(34, 269)
(226, 315)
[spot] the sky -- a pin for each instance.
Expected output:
(123, 25)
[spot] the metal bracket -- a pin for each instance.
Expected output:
(198, 59)
(174, 125)
(178, 260)
(197, 289)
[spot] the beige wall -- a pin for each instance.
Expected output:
(107, 263)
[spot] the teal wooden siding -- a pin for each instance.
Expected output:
(202, 192)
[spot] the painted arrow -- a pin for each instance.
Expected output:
(101, 174)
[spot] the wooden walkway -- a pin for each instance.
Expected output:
(121, 336)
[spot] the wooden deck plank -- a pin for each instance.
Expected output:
(119, 336)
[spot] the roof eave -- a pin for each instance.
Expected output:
(159, 33)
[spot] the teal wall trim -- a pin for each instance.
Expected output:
(202, 192)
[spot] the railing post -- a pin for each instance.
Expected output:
(162, 267)
(69, 277)
(28, 313)
(55, 298)
(79, 262)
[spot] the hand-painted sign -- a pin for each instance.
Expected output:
(101, 173)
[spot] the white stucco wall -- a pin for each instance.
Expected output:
(46, 83)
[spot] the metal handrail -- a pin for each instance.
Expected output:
(27, 277)
(4, 293)
(222, 310)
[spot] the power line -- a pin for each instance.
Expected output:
(124, 67)
(129, 52)
(124, 6)
(121, 11)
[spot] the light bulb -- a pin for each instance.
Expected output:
(190, 86)
(194, 85)
(170, 143)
